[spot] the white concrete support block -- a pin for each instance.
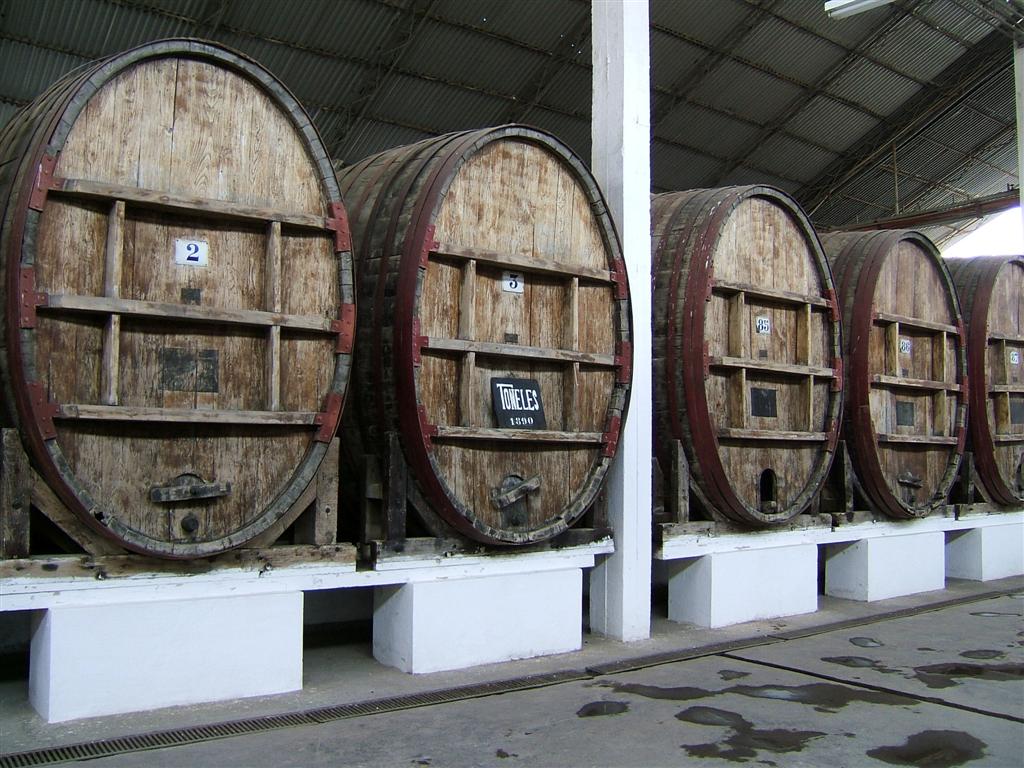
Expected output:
(430, 626)
(890, 566)
(984, 554)
(726, 588)
(620, 129)
(110, 659)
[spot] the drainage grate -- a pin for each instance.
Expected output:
(181, 736)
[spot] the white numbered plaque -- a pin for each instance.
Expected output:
(512, 282)
(1014, 357)
(763, 325)
(905, 346)
(191, 252)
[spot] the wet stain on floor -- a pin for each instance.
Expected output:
(860, 662)
(732, 674)
(503, 754)
(946, 675)
(866, 642)
(745, 741)
(602, 708)
(824, 697)
(992, 614)
(983, 653)
(933, 749)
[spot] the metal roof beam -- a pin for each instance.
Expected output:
(404, 25)
(972, 209)
(973, 69)
(713, 56)
(564, 54)
(844, 47)
(895, 15)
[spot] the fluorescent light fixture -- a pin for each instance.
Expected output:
(840, 9)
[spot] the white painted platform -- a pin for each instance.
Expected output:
(863, 561)
(985, 554)
(110, 659)
(888, 566)
(148, 640)
(441, 625)
(726, 588)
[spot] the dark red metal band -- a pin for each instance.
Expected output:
(328, 418)
(43, 409)
(337, 222)
(345, 327)
(44, 182)
(610, 438)
(29, 298)
(624, 362)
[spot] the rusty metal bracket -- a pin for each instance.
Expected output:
(624, 361)
(833, 305)
(43, 409)
(328, 419)
(837, 374)
(429, 244)
(337, 222)
(427, 429)
(44, 182)
(345, 327)
(418, 342)
(610, 438)
(619, 279)
(29, 298)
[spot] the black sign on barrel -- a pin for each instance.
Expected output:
(517, 403)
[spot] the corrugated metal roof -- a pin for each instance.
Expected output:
(748, 92)
(791, 159)
(790, 51)
(374, 74)
(829, 123)
(916, 49)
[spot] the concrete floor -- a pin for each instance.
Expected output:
(930, 680)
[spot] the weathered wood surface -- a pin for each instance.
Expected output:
(991, 291)
(905, 368)
(125, 566)
(232, 372)
(746, 351)
(437, 224)
(15, 496)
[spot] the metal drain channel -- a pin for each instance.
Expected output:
(181, 736)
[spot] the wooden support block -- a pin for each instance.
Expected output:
(739, 399)
(110, 371)
(892, 349)
(46, 501)
(678, 483)
(467, 301)
(273, 304)
(467, 389)
(15, 496)
(395, 490)
(739, 331)
(328, 501)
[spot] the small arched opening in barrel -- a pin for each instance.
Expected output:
(768, 491)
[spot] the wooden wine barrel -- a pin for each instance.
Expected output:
(991, 291)
(906, 371)
(487, 258)
(178, 297)
(747, 367)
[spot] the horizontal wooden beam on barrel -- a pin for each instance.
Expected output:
(727, 433)
(770, 294)
(771, 367)
(515, 350)
(916, 323)
(528, 435)
(918, 439)
(184, 204)
(898, 381)
(532, 264)
(188, 312)
(185, 415)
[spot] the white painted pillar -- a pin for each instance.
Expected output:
(1018, 78)
(620, 587)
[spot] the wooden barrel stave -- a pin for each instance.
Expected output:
(906, 374)
(990, 290)
(443, 184)
(141, 121)
(706, 283)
